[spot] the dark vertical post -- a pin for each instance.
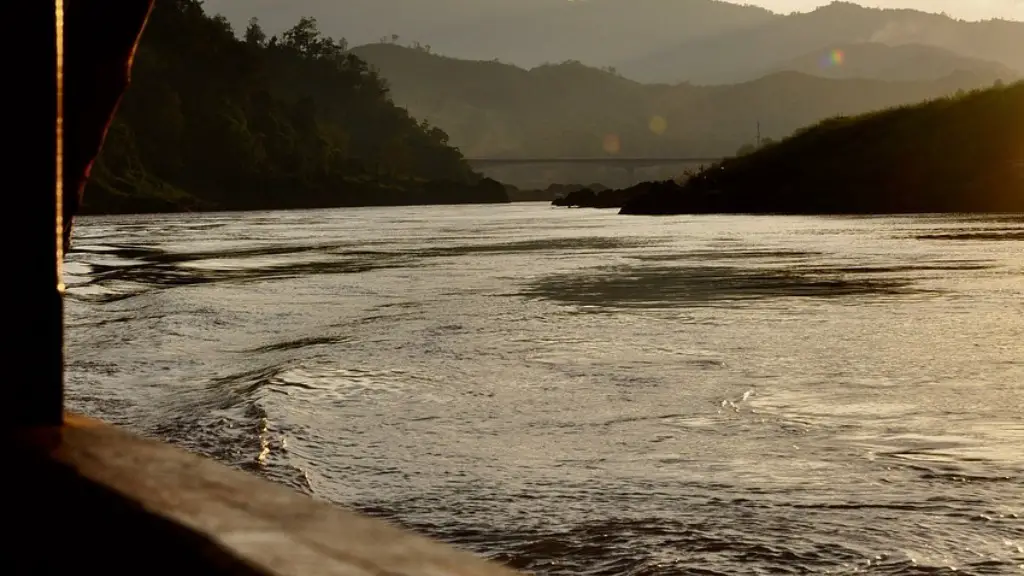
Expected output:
(33, 368)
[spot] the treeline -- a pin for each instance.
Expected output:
(212, 121)
(959, 154)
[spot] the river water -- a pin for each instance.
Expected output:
(577, 392)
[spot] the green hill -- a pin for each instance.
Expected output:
(214, 122)
(492, 109)
(963, 154)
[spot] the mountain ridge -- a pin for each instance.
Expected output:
(883, 62)
(703, 41)
(491, 109)
(740, 54)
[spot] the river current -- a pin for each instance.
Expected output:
(577, 392)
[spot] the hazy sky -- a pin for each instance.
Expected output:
(966, 9)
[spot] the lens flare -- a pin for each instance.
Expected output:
(835, 58)
(611, 144)
(658, 125)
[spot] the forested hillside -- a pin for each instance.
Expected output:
(212, 121)
(962, 154)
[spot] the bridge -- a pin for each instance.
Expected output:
(629, 164)
(624, 162)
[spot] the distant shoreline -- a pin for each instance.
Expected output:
(87, 212)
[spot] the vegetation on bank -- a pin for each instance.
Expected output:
(958, 154)
(552, 193)
(212, 121)
(594, 198)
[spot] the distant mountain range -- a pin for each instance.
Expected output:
(492, 109)
(742, 53)
(665, 41)
(896, 63)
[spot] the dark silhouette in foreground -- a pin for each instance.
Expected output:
(963, 154)
(98, 52)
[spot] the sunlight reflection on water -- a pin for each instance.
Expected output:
(574, 392)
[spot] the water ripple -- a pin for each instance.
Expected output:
(572, 393)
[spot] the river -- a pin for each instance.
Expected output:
(577, 392)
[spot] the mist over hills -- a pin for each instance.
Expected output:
(736, 55)
(524, 32)
(664, 41)
(882, 62)
(490, 109)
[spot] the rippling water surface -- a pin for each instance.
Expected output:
(575, 392)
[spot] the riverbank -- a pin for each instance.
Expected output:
(552, 193)
(593, 197)
(101, 199)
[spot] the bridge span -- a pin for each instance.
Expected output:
(624, 162)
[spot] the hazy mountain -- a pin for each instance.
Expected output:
(702, 41)
(737, 55)
(494, 109)
(883, 62)
(596, 32)
(524, 32)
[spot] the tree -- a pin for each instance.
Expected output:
(746, 149)
(254, 34)
(305, 37)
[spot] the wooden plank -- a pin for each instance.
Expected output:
(139, 499)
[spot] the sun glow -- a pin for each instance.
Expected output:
(612, 144)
